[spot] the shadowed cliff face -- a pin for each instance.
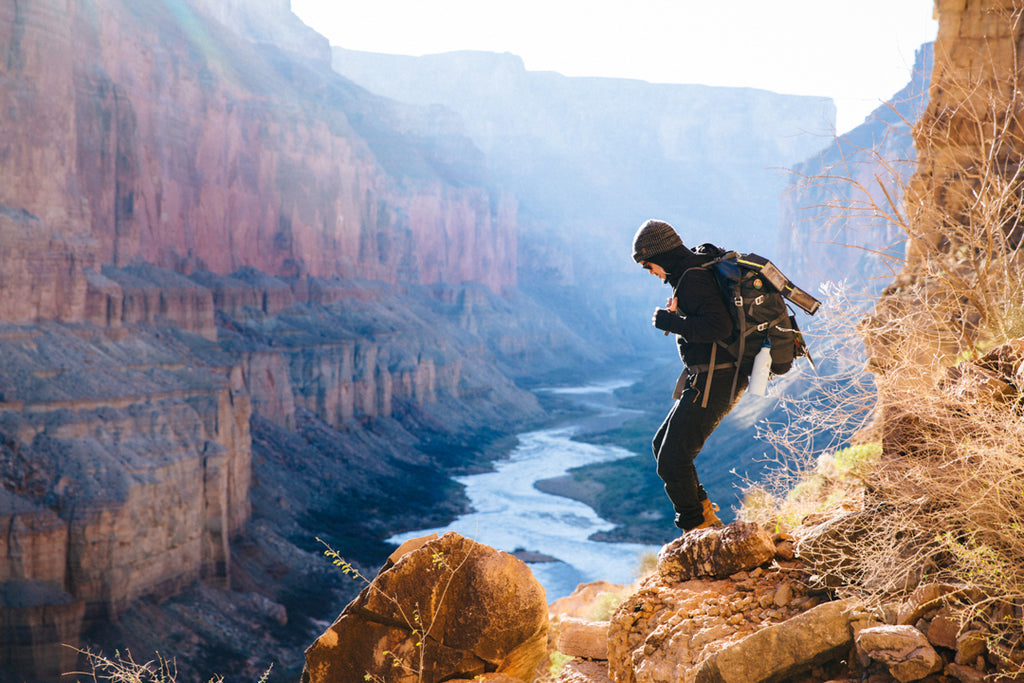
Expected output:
(125, 465)
(129, 466)
(143, 131)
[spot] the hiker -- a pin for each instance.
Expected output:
(696, 313)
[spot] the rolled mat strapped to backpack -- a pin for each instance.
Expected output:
(783, 284)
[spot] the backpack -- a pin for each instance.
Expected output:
(755, 294)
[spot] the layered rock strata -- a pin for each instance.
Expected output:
(378, 351)
(969, 137)
(240, 158)
(107, 433)
(125, 469)
(125, 456)
(40, 621)
(962, 205)
(146, 152)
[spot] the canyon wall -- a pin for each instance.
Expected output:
(269, 22)
(958, 288)
(125, 450)
(590, 159)
(599, 155)
(970, 136)
(180, 204)
(145, 132)
(839, 216)
(226, 269)
(126, 470)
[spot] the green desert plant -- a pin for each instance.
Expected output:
(647, 564)
(557, 664)
(857, 461)
(605, 607)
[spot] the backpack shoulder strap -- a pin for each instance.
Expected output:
(715, 255)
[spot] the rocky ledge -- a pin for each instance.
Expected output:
(767, 621)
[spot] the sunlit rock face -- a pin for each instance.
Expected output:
(969, 138)
(591, 158)
(189, 220)
(148, 132)
(962, 205)
(477, 611)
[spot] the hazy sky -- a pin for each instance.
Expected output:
(859, 52)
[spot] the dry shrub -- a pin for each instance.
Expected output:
(953, 441)
(122, 668)
(945, 501)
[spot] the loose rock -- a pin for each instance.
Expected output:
(587, 639)
(716, 552)
(780, 651)
(903, 649)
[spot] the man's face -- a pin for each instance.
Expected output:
(654, 269)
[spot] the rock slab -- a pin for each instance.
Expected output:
(586, 639)
(778, 652)
(903, 649)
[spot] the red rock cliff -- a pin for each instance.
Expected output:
(145, 131)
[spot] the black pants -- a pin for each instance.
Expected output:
(682, 435)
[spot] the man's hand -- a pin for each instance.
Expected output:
(668, 321)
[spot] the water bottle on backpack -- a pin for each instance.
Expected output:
(762, 369)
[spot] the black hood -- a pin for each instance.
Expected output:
(676, 262)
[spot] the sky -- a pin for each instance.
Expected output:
(858, 52)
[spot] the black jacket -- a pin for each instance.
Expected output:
(701, 305)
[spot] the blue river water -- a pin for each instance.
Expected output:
(510, 514)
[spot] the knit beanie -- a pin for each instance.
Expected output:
(653, 238)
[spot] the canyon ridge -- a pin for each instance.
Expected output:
(247, 301)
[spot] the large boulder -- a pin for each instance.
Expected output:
(780, 651)
(450, 609)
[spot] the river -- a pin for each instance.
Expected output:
(510, 514)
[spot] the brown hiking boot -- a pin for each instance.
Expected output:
(710, 518)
